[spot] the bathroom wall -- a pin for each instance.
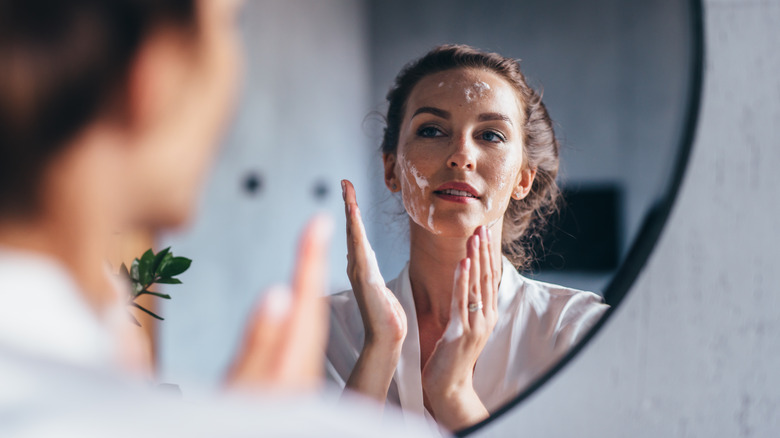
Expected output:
(298, 131)
(693, 350)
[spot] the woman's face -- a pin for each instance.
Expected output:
(460, 152)
(185, 94)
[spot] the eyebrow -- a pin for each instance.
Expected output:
(432, 110)
(484, 117)
(494, 116)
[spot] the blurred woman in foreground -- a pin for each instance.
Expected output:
(109, 116)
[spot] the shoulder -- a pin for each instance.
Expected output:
(565, 312)
(565, 302)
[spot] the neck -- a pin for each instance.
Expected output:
(432, 262)
(75, 218)
(84, 258)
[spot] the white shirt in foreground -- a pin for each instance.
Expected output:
(59, 378)
(537, 324)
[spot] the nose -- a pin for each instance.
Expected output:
(463, 154)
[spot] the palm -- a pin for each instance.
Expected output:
(383, 317)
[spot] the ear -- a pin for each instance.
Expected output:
(391, 179)
(155, 80)
(525, 181)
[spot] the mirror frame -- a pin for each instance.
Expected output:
(654, 221)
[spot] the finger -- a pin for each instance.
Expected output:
(459, 314)
(486, 280)
(350, 207)
(475, 295)
(256, 363)
(358, 248)
(306, 329)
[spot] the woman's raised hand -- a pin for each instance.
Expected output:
(384, 320)
(448, 375)
(285, 338)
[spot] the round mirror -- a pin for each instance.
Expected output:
(621, 80)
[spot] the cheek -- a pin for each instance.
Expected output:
(413, 169)
(501, 180)
(413, 183)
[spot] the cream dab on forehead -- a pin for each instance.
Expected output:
(476, 90)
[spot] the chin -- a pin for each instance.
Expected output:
(169, 217)
(452, 227)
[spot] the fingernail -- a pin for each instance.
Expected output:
(476, 241)
(343, 190)
(483, 233)
(277, 303)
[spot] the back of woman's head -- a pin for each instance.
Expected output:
(525, 218)
(64, 65)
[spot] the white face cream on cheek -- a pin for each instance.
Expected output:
(421, 181)
(413, 187)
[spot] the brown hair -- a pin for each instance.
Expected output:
(524, 219)
(63, 64)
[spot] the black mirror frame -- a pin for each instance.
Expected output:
(655, 220)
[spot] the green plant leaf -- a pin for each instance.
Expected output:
(145, 268)
(166, 259)
(134, 270)
(174, 266)
(157, 294)
(158, 259)
(149, 312)
(168, 280)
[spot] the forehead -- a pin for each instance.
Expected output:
(466, 90)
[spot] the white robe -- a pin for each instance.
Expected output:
(537, 323)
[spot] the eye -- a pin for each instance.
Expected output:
(492, 137)
(429, 132)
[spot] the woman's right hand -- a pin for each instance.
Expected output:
(384, 320)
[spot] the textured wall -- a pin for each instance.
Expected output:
(695, 348)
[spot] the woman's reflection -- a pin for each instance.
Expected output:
(471, 149)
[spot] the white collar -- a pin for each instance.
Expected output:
(43, 313)
(408, 376)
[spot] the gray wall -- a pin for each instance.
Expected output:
(694, 350)
(299, 126)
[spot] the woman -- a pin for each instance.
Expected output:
(109, 116)
(471, 149)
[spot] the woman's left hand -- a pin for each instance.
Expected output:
(447, 377)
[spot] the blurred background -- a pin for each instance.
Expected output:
(614, 77)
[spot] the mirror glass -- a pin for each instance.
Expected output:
(615, 77)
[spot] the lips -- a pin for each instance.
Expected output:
(457, 191)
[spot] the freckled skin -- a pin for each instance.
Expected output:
(463, 149)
